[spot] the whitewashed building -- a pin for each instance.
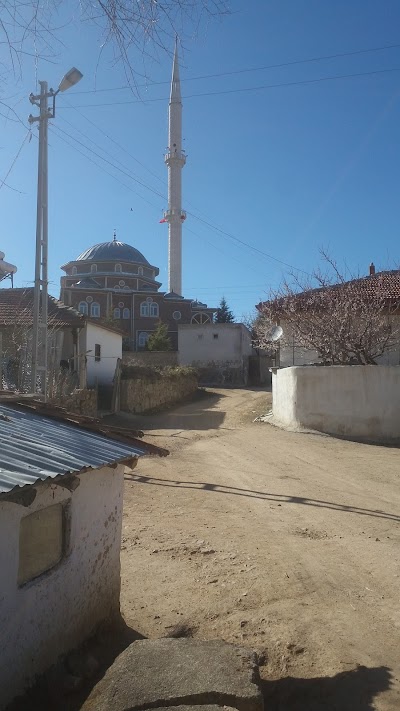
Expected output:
(61, 492)
(220, 351)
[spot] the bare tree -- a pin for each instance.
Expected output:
(345, 321)
(34, 27)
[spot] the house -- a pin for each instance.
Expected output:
(380, 288)
(61, 488)
(87, 347)
(220, 351)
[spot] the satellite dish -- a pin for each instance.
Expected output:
(275, 333)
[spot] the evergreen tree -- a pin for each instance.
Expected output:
(159, 339)
(224, 314)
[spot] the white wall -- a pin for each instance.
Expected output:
(57, 611)
(101, 372)
(292, 354)
(350, 400)
(197, 345)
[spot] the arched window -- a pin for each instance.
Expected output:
(145, 308)
(140, 271)
(93, 267)
(118, 268)
(74, 271)
(153, 309)
(83, 308)
(142, 340)
(117, 313)
(201, 318)
(126, 313)
(95, 309)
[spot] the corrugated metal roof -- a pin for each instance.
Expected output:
(34, 447)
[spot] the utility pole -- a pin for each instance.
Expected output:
(40, 298)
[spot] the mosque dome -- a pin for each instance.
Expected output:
(112, 251)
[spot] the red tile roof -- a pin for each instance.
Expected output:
(16, 309)
(383, 284)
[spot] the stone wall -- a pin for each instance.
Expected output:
(83, 402)
(148, 391)
(223, 372)
(151, 359)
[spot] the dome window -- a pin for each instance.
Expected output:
(118, 268)
(74, 271)
(93, 267)
(95, 309)
(140, 271)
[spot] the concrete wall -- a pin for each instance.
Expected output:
(219, 351)
(101, 372)
(55, 612)
(352, 400)
(145, 393)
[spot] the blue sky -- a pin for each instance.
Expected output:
(285, 169)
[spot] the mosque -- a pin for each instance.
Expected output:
(113, 280)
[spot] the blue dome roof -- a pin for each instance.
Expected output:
(112, 252)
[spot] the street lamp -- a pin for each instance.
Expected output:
(39, 335)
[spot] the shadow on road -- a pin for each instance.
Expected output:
(267, 496)
(198, 414)
(352, 690)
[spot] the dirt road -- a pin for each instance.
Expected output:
(284, 542)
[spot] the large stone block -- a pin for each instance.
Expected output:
(179, 672)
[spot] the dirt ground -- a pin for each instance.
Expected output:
(284, 542)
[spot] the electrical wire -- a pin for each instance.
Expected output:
(3, 181)
(303, 82)
(125, 171)
(251, 69)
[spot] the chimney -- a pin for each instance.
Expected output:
(371, 269)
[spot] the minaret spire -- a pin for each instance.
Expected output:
(175, 159)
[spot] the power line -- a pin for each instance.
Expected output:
(303, 82)
(125, 171)
(3, 182)
(251, 69)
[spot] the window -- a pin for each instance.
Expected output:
(142, 340)
(74, 271)
(153, 309)
(117, 286)
(140, 271)
(215, 336)
(89, 299)
(121, 282)
(93, 268)
(95, 310)
(117, 313)
(97, 352)
(126, 313)
(144, 309)
(177, 315)
(118, 268)
(41, 542)
(83, 308)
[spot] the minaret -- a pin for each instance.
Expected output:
(175, 159)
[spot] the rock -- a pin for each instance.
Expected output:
(179, 672)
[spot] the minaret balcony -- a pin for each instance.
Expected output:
(170, 214)
(175, 158)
